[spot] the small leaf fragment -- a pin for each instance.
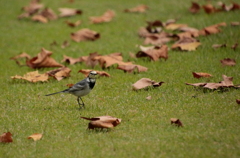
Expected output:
(176, 121)
(35, 136)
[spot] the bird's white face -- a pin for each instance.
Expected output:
(92, 75)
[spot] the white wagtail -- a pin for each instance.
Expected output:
(81, 88)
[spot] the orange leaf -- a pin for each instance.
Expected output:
(140, 9)
(40, 18)
(6, 138)
(35, 136)
(85, 35)
(186, 46)
(201, 74)
(106, 17)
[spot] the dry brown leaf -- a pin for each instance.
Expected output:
(66, 12)
(154, 53)
(35, 136)
(235, 23)
(60, 73)
(106, 17)
(201, 74)
(31, 9)
(40, 18)
(234, 47)
(227, 81)
(6, 138)
(186, 43)
(238, 101)
(149, 97)
(145, 83)
(32, 77)
(174, 26)
(213, 29)
(209, 8)
(194, 8)
(228, 62)
(103, 122)
(138, 9)
(22, 55)
(100, 73)
(73, 24)
(43, 59)
(197, 84)
(49, 14)
(71, 60)
(85, 35)
(157, 38)
(131, 68)
(176, 121)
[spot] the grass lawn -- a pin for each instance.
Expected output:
(210, 118)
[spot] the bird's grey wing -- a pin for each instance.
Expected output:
(78, 86)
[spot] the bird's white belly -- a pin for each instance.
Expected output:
(81, 93)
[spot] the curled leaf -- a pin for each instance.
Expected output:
(6, 138)
(100, 73)
(35, 136)
(85, 35)
(145, 83)
(60, 73)
(201, 74)
(32, 77)
(154, 53)
(176, 121)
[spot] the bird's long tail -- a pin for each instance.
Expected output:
(64, 91)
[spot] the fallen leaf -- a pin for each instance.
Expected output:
(154, 53)
(235, 23)
(85, 35)
(227, 81)
(213, 29)
(145, 83)
(49, 14)
(60, 73)
(234, 47)
(176, 121)
(6, 138)
(157, 39)
(32, 77)
(66, 12)
(131, 68)
(228, 62)
(197, 84)
(238, 101)
(22, 55)
(138, 9)
(209, 8)
(31, 9)
(43, 59)
(201, 74)
(106, 17)
(174, 26)
(103, 122)
(100, 73)
(219, 45)
(149, 97)
(194, 8)
(40, 18)
(35, 136)
(73, 24)
(186, 43)
(71, 60)
(65, 44)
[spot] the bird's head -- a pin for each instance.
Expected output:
(92, 75)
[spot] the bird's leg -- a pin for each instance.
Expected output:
(80, 107)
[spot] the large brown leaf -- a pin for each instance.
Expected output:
(106, 17)
(32, 77)
(43, 59)
(154, 53)
(85, 35)
(145, 83)
(60, 73)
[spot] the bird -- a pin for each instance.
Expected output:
(81, 88)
